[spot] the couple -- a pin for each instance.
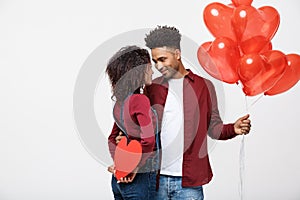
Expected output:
(182, 104)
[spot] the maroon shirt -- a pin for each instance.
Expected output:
(201, 118)
(138, 122)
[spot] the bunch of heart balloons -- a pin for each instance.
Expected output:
(242, 49)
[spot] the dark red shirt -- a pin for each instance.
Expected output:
(201, 118)
(138, 122)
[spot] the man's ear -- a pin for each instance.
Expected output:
(177, 54)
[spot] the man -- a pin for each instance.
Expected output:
(187, 110)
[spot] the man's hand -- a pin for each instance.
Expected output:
(119, 137)
(242, 125)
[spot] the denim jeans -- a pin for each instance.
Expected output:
(170, 189)
(142, 187)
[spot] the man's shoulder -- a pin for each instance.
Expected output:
(198, 78)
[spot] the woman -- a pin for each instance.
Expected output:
(129, 70)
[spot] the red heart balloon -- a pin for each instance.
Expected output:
(220, 59)
(127, 157)
(254, 28)
(241, 2)
(290, 76)
(217, 18)
(268, 47)
(259, 72)
(251, 47)
(294, 62)
(255, 44)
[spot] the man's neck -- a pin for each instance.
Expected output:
(182, 72)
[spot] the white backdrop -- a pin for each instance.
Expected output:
(43, 45)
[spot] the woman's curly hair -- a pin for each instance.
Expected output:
(126, 70)
(163, 36)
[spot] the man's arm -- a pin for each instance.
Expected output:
(220, 131)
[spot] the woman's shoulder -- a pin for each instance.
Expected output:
(139, 102)
(139, 98)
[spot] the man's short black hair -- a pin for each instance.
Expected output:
(163, 36)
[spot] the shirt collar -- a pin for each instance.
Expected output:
(190, 75)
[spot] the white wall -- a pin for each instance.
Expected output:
(43, 49)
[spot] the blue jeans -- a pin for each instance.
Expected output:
(170, 189)
(142, 187)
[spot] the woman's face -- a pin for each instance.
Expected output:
(148, 74)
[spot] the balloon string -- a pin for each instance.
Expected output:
(253, 103)
(242, 156)
(242, 153)
(242, 168)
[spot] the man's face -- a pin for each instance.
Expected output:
(166, 61)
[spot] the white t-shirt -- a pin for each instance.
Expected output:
(172, 132)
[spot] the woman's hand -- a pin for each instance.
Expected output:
(130, 177)
(111, 169)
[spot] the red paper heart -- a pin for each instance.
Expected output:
(127, 157)
(254, 28)
(217, 18)
(290, 77)
(259, 72)
(220, 59)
